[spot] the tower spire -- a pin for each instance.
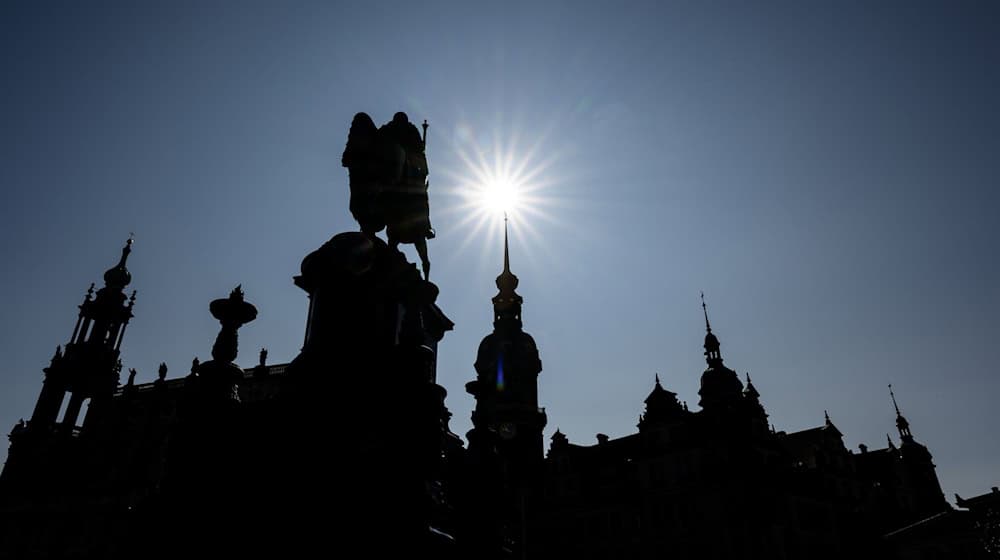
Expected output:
(713, 354)
(704, 308)
(721, 388)
(507, 303)
(507, 421)
(506, 250)
(894, 405)
(901, 423)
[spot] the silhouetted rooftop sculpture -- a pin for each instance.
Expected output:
(388, 181)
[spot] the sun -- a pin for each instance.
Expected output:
(489, 183)
(500, 196)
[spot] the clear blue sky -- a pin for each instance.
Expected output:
(825, 171)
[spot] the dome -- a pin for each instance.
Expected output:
(119, 276)
(720, 383)
(519, 348)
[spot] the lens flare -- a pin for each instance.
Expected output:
(500, 196)
(501, 382)
(497, 180)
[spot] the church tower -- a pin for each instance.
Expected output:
(721, 388)
(919, 474)
(506, 385)
(505, 444)
(82, 378)
(89, 367)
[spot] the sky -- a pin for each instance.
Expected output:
(825, 172)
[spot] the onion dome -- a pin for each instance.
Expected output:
(118, 276)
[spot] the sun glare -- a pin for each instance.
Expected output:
(500, 196)
(501, 179)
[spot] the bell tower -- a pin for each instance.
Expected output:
(919, 473)
(79, 385)
(506, 384)
(505, 443)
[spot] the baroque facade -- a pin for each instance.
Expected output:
(718, 482)
(348, 447)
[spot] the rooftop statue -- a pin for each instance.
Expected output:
(388, 178)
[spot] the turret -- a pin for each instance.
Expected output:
(919, 472)
(661, 406)
(720, 386)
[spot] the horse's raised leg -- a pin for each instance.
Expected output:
(421, 245)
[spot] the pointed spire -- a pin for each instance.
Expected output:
(704, 308)
(826, 417)
(507, 303)
(506, 277)
(506, 246)
(888, 438)
(901, 423)
(657, 377)
(894, 405)
(713, 354)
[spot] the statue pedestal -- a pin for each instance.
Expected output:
(366, 419)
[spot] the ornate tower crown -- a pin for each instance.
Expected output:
(118, 276)
(507, 303)
(713, 353)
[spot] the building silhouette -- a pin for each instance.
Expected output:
(348, 448)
